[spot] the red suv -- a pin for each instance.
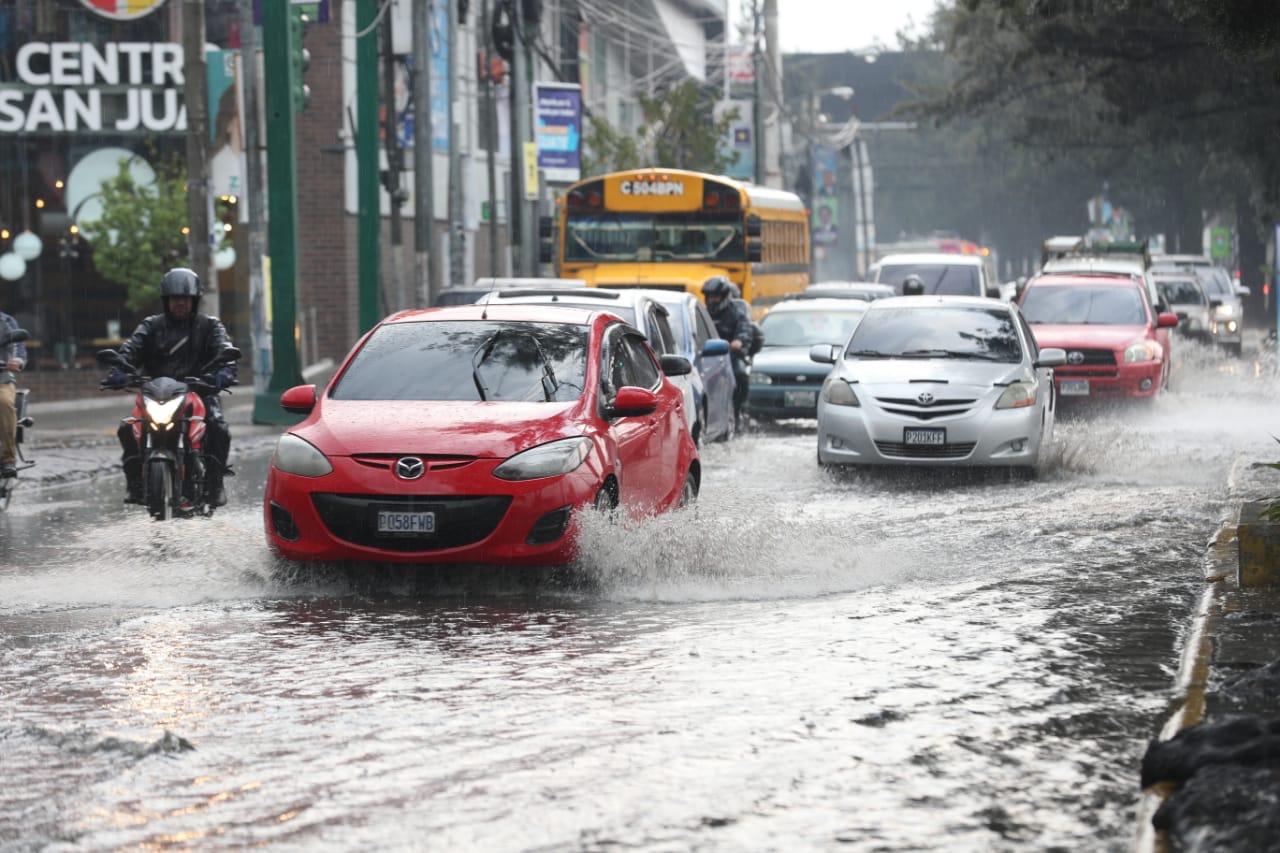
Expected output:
(1117, 344)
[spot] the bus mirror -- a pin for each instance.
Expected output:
(754, 226)
(546, 252)
(755, 251)
(546, 225)
(546, 240)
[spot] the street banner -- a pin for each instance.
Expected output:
(558, 115)
(740, 139)
(226, 135)
(825, 226)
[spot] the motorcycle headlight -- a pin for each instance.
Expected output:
(1017, 396)
(161, 415)
(1140, 351)
(295, 456)
(760, 378)
(838, 392)
(546, 460)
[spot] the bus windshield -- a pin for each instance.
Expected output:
(650, 237)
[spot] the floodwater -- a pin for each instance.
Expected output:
(871, 663)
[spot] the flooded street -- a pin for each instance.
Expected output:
(870, 662)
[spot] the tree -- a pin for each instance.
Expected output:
(140, 234)
(674, 134)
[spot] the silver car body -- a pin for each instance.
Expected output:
(941, 392)
(1186, 298)
(1225, 296)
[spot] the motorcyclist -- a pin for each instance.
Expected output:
(178, 343)
(13, 357)
(733, 323)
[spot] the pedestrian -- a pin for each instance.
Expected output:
(14, 357)
(733, 323)
(177, 343)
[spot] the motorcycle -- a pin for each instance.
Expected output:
(168, 422)
(25, 421)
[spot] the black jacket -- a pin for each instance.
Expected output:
(734, 322)
(163, 346)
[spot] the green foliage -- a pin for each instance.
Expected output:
(140, 234)
(674, 134)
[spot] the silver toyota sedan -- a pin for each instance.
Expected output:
(939, 381)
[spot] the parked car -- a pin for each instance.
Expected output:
(712, 376)
(937, 380)
(478, 435)
(1226, 296)
(784, 381)
(467, 294)
(864, 290)
(941, 272)
(637, 306)
(1108, 328)
(1185, 297)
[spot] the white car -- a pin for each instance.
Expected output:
(937, 380)
(942, 273)
(1224, 293)
(1186, 298)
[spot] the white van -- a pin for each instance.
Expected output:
(941, 272)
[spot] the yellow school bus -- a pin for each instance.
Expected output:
(674, 229)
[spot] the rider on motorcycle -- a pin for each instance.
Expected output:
(13, 357)
(177, 344)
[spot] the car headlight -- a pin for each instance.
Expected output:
(760, 378)
(296, 456)
(838, 392)
(1017, 396)
(546, 460)
(1224, 311)
(1140, 351)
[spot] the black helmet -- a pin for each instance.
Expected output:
(717, 287)
(913, 285)
(180, 281)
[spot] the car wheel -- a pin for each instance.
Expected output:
(1236, 349)
(689, 492)
(606, 499)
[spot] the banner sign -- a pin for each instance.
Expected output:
(558, 113)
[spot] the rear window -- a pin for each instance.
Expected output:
(1082, 304)
(468, 360)
(806, 328)
(979, 334)
(937, 278)
(1181, 292)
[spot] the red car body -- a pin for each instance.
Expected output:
(401, 466)
(1117, 344)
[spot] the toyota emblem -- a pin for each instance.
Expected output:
(1075, 357)
(410, 468)
(925, 399)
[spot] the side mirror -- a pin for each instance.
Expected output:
(716, 346)
(1166, 320)
(824, 353)
(631, 401)
(300, 399)
(1052, 357)
(1243, 290)
(228, 355)
(755, 227)
(12, 336)
(110, 358)
(675, 365)
(755, 251)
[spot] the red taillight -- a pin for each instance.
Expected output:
(574, 199)
(731, 201)
(711, 199)
(595, 200)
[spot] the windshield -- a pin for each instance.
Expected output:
(649, 237)
(805, 328)
(978, 334)
(468, 360)
(1215, 281)
(1181, 292)
(961, 280)
(1081, 303)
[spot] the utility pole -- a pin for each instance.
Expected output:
(491, 120)
(524, 173)
(395, 161)
(457, 236)
(196, 95)
(279, 72)
(254, 197)
(757, 89)
(424, 196)
(369, 216)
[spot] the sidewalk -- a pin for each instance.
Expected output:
(1212, 777)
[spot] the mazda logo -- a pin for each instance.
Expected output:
(1075, 357)
(925, 399)
(410, 468)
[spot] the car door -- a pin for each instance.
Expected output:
(636, 438)
(656, 323)
(717, 374)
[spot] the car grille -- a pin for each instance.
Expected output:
(795, 378)
(925, 451)
(385, 461)
(913, 408)
(1092, 357)
(459, 520)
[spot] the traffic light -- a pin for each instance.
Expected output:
(301, 57)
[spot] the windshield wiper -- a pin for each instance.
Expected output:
(478, 358)
(867, 353)
(549, 383)
(923, 353)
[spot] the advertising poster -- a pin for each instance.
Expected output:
(825, 225)
(740, 138)
(558, 131)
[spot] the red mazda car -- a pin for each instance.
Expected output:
(1111, 332)
(477, 435)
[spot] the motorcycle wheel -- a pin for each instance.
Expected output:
(159, 490)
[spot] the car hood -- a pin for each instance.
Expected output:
(463, 428)
(1093, 336)
(915, 374)
(787, 360)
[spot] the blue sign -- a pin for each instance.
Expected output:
(558, 112)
